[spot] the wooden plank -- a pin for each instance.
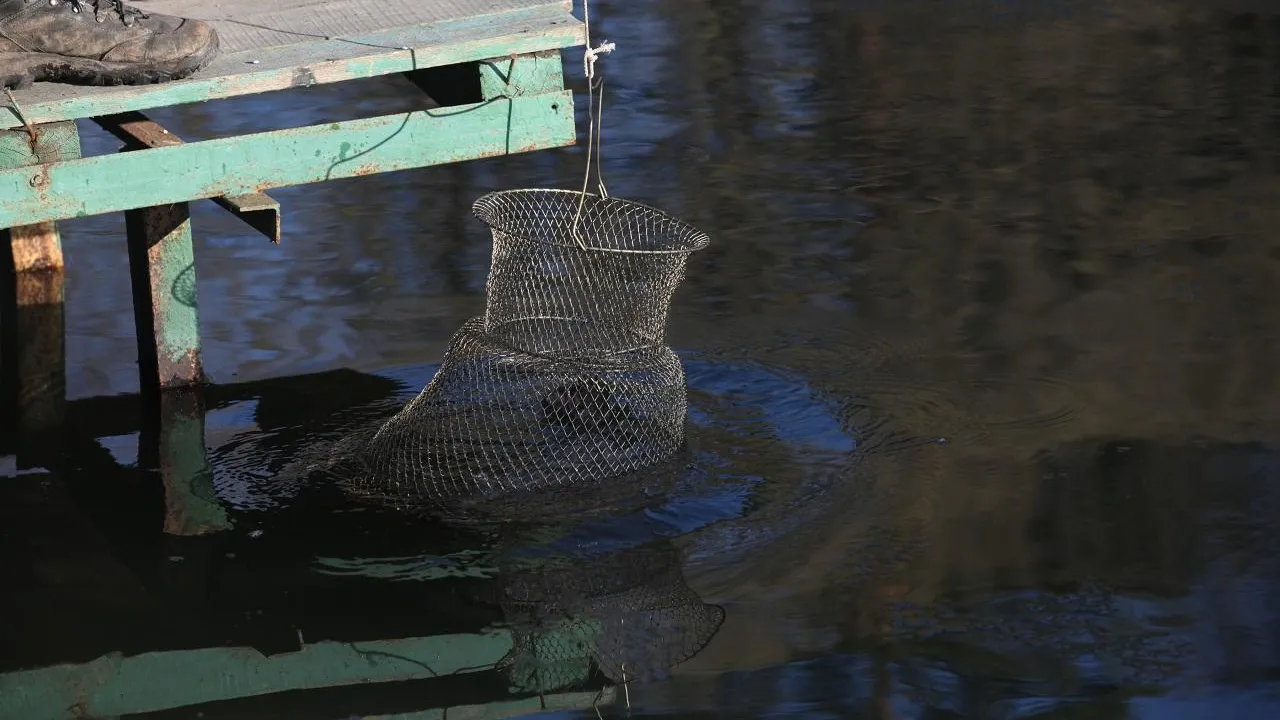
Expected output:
(528, 74)
(252, 24)
(31, 294)
(54, 142)
(254, 163)
(36, 247)
(319, 62)
(114, 685)
(36, 352)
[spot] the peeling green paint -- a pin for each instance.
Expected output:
(174, 270)
(162, 262)
(524, 75)
(279, 158)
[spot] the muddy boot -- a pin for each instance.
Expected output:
(98, 42)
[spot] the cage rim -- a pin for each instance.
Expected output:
(698, 239)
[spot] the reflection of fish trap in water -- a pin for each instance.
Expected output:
(564, 380)
(630, 614)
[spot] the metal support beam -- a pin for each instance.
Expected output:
(162, 267)
(257, 210)
(138, 132)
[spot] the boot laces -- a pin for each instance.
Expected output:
(102, 9)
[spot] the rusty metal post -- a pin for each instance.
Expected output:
(32, 340)
(162, 267)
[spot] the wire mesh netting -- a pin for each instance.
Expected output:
(599, 285)
(565, 379)
(630, 614)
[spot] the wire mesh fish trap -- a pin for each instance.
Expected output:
(577, 274)
(565, 379)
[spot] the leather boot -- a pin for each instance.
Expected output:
(98, 42)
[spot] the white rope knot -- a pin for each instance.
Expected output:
(589, 57)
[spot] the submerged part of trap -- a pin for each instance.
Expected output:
(631, 614)
(565, 379)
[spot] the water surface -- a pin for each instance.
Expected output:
(981, 365)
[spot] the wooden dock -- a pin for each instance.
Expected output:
(491, 79)
(492, 83)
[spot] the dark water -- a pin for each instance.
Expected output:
(981, 359)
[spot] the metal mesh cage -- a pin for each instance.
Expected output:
(565, 378)
(598, 285)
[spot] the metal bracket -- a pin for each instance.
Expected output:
(258, 210)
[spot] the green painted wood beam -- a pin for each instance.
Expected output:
(54, 142)
(253, 163)
(530, 74)
(32, 315)
(314, 63)
(115, 685)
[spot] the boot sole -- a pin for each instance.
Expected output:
(20, 69)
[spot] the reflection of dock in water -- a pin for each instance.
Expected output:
(138, 596)
(134, 571)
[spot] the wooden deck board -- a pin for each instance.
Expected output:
(253, 24)
(363, 43)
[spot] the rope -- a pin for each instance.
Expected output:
(22, 118)
(594, 117)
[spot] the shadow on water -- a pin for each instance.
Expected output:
(983, 409)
